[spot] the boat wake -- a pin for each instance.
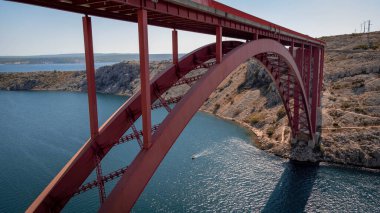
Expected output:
(201, 154)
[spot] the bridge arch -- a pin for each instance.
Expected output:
(278, 62)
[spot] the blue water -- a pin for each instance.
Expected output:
(48, 67)
(40, 131)
(75, 66)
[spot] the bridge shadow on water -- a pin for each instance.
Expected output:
(293, 189)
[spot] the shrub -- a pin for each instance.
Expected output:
(216, 108)
(358, 83)
(337, 86)
(237, 112)
(366, 47)
(346, 105)
(360, 47)
(254, 118)
(359, 110)
(281, 113)
(336, 125)
(270, 131)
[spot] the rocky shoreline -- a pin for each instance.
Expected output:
(118, 79)
(350, 104)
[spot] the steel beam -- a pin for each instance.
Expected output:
(144, 77)
(218, 51)
(90, 74)
(314, 97)
(308, 72)
(296, 95)
(291, 48)
(320, 86)
(175, 46)
(302, 61)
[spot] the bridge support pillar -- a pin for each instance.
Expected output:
(307, 72)
(218, 48)
(175, 46)
(255, 36)
(296, 91)
(144, 77)
(91, 92)
(305, 149)
(320, 86)
(315, 90)
(90, 75)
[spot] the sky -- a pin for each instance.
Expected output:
(33, 30)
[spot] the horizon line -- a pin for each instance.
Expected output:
(100, 53)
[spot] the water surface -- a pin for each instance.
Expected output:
(40, 132)
(48, 67)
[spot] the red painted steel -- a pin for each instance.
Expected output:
(130, 186)
(95, 183)
(91, 92)
(144, 77)
(137, 134)
(308, 72)
(182, 15)
(275, 27)
(303, 60)
(320, 86)
(133, 136)
(99, 176)
(175, 46)
(296, 92)
(314, 96)
(75, 172)
(219, 54)
(90, 74)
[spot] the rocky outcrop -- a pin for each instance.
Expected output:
(351, 98)
(54, 80)
(121, 79)
(350, 105)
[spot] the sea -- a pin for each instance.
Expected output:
(212, 167)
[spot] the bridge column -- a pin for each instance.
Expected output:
(291, 49)
(296, 91)
(91, 92)
(90, 75)
(255, 36)
(308, 73)
(175, 46)
(144, 77)
(218, 48)
(321, 78)
(314, 101)
(302, 61)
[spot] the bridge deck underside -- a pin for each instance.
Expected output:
(169, 15)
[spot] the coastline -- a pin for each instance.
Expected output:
(257, 137)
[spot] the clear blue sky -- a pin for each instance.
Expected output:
(32, 30)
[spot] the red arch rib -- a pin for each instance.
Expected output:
(133, 182)
(74, 173)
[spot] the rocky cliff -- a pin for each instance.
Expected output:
(351, 100)
(121, 79)
(350, 104)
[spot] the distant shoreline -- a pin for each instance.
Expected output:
(79, 58)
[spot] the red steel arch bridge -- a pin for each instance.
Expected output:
(293, 60)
